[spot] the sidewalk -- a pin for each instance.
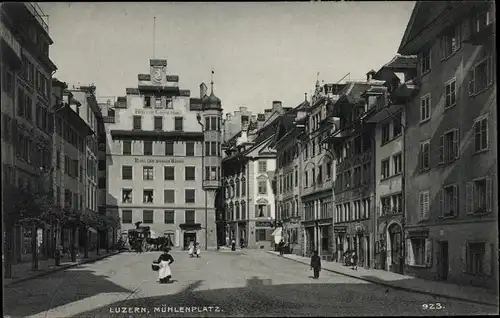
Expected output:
(22, 271)
(408, 283)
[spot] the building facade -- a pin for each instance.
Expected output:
(353, 146)
(26, 101)
(165, 154)
(248, 169)
(385, 110)
(288, 179)
(451, 166)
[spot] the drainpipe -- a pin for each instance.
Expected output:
(198, 117)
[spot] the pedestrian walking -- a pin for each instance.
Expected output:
(197, 249)
(316, 264)
(165, 260)
(233, 245)
(354, 261)
(191, 249)
(242, 242)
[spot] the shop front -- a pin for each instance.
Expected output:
(309, 238)
(263, 234)
(189, 234)
(340, 232)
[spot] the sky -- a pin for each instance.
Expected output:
(259, 52)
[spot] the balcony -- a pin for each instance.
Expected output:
(108, 119)
(211, 184)
(11, 45)
(37, 12)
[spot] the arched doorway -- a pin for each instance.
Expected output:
(394, 231)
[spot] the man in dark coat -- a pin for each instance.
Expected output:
(280, 246)
(316, 264)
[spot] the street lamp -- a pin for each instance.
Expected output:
(198, 118)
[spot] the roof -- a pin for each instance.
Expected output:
(402, 61)
(353, 92)
(210, 102)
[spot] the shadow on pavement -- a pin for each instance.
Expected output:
(260, 298)
(27, 298)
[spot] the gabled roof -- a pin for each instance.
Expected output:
(353, 92)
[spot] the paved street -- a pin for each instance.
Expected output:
(248, 283)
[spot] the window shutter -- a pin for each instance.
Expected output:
(464, 257)
(469, 197)
(441, 150)
(472, 81)
(422, 216)
(454, 204)
(487, 259)
(489, 194)
(426, 205)
(442, 206)
(456, 147)
(428, 252)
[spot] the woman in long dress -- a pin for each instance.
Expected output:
(165, 260)
(191, 249)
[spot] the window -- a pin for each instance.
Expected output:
(179, 124)
(147, 196)
(397, 203)
(158, 102)
(396, 159)
(357, 176)
(189, 216)
(425, 62)
(424, 205)
(396, 125)
(425, 107)
(137, 122)
(147, 101)
(28, 107)
(207, 123)
(189, 195)
(169, 148)
(481, 134)
(261, 210)
(169, 196)
(481, 75)
(366, 173)
(418, 247)
(450, 41)
(147, 173)
(147, 216)
(127, 216)
(207, 148)
(385, 169)
(386, 130)
(475, 258)
(357, 145)
(449, 201)
(347, 179)
(126, 172)
(189, 149)
(158, 123)
(8, 81)
(385, 203)
(127, 195)
(213, 148)
(148, 148)
(169, 173)
(262, 166)
(169, 216)
(243, 187)
(127, 147)
(424, 155)
(189, 173)
(262, 187)
(450, 93)
(213, 122)
(479, 196)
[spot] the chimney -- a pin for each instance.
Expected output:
(267, 113)
(276, 105)
(203, 90)
(369, 75)
(243, 109)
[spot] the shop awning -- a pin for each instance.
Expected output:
(277, 231)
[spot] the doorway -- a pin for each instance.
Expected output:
(443, 266)
(188, 238)
(395, 241)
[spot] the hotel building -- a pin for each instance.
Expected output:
(165, 149)
(451, 159)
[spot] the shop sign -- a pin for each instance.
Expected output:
(340, 229)
(168, 112)
(262, 224)
(158, 160)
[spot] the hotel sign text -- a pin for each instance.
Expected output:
(157, 112)
(158, 160)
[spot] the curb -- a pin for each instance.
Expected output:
(397, 287)
(60, 268)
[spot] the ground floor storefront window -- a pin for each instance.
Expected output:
(260, 235)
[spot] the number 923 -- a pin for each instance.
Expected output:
(435, 306)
